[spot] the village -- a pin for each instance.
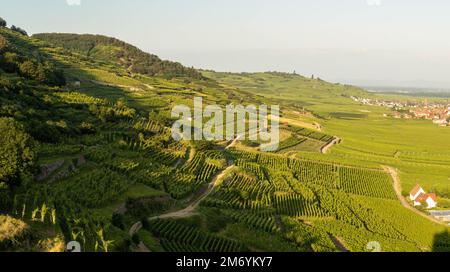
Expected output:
(437, 112)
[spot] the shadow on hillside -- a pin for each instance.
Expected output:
(442, 242)
(80, 80)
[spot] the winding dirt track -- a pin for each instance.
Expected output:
(338, 243)
(325, 149)
(189, 210)
(398, 190)
(233, 143)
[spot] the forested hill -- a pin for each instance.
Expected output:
(111, 49)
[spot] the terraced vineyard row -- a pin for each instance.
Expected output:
(273, 161)
(311, 134)
(193, 175)
(290, 142)
(263, 222)
(95, 188)
(251, 167)
(369, 182)
(296, 206)
(320, 174)
(251, 186)
(366, 182)
(148, 126)
(180, 238)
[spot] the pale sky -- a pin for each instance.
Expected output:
(365, 42)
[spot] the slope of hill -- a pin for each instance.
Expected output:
(292, 89)
(93, 157)
(114, 50)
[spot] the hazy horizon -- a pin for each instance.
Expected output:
(362, 42)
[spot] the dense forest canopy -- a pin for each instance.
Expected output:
(111, 49)
(30, 64)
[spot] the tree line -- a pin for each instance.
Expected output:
(3, 23)
(12, 61)
(129, 56)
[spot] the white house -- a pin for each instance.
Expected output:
(420, 197)
(430, 200)
(416, 192)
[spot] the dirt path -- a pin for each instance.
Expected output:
(135, 228)
(233, 143)
(142, 248)
(325, 148)
(338, 243)
(189, 210)
(179, 161)
(398, 190)
(280, 223)
(138, 225)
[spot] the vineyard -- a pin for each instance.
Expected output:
(176, 237)
(267, 193)
(311, 134)
(333, 197)
(295, 205)
(93, 189)
(290, 142)
(93, 160)
(194, 174)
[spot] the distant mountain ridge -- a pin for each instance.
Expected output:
(117, 51)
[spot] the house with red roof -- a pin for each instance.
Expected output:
(416, 191)
(421, 198)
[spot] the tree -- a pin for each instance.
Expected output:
(3, 44)
(28, 69)
(17, 154)
(3, 49)
(2, 22)
(19, 30)
(42, 72)
(9, 62)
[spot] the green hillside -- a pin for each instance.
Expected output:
(87, 155)
(113, 50)
(417, 148)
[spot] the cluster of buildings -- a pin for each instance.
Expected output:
(421, 198)
(438, 112)
(439, 115)
(377, 102)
